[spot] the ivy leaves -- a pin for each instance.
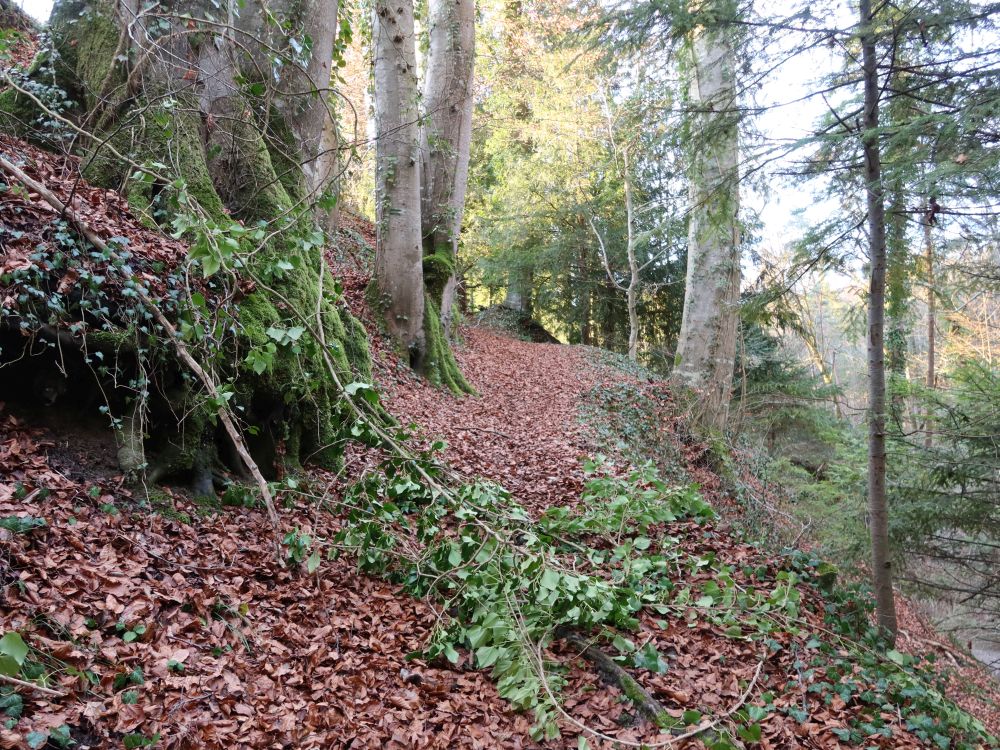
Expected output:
(510, 584)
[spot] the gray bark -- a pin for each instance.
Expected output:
(518, 296)
(398, 257)
(931, 328)
(706, 348)
(304, 94)
(878, 510)
(447, 136)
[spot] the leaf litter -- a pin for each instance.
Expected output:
(161, 619)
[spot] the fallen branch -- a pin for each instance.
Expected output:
(32, 686)
(701, 729)
(182, 350)
(612, 672)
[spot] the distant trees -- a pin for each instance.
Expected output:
(549, 217)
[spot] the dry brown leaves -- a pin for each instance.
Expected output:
(31, 226)
(271, 657)
(239, 652)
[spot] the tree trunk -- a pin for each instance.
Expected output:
(518, 295)
(398, 258)
(897, 304)
(303, 97)
(931, 327)
(878, 510)
(706, 349)
(447, 138)
(632, 292)
(193, 88)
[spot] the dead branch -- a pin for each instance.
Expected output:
(612, 672)
(32, 686)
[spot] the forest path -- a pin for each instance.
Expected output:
(521, 429)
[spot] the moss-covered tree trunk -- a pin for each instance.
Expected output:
(412, 310)
(228, 104)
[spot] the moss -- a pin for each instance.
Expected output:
(257, 181)
(96, 46)
(356, 346)
(280, 146)
(162, 502)
(245, 177)
(440, 367)
(438, 268)
(17, 112)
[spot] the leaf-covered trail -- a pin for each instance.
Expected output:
(522, 428)
(237, 652)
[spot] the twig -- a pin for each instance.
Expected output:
(182, 351)
(700, 729)
(32, 686)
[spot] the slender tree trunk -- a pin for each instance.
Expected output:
(878, 509)
(706, 349)
(446, 142)
(398, 257)
(931, 328)
(825, 370)
(585, 295)
(897, 303)
(632, 293)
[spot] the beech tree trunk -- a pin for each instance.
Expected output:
(878, 510)
(446, 141)
(706, 348)
(398, 257)
(232, 101)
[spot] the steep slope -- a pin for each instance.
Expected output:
(137, 618)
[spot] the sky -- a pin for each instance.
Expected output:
(37, 9)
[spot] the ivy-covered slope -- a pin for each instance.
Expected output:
(476, 603)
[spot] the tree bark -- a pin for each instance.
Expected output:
(192, 86)
(398, 257)
(518, 296)
(632, 293)
(931, 327)
(878, 510)
(706, 348)
(303, 95)
(446, 142)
